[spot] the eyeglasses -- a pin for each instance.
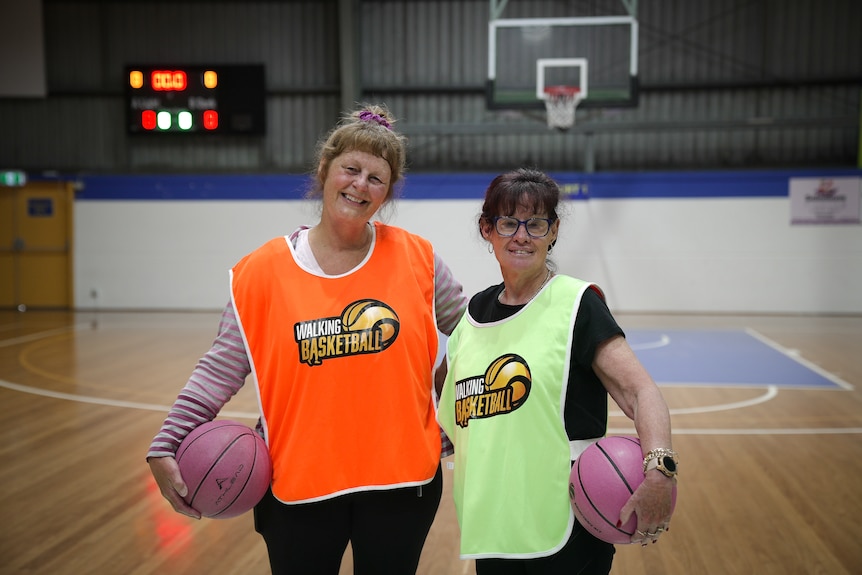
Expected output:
(507, 226)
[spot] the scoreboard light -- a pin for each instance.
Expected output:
(210, 78)
(136, 79)
(168, 80)
(210, 119)
(148, 119)
(225, 99)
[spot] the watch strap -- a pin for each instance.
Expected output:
(651, 460)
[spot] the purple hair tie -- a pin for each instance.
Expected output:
(367, 116)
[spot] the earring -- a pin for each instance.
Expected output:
(490, 248)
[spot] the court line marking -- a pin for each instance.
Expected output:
(41, 334)
(799, 359)
(676, 431)
(663, 341)
(771, 392)
(109, 402)
(751, 431)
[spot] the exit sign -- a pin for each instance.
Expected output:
(13, 178)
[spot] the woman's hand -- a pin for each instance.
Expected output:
(167, 475)
(652, 503)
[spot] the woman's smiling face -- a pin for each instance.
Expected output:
(356, 185)
(521, 252)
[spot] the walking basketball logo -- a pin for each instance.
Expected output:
(503, 388)
(365, 326)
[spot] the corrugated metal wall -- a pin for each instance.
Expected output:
(724, 84)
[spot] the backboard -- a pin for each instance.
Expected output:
(526, 55)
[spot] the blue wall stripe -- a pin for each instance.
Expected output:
(472, 186)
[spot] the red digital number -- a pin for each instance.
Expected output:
(168, 80)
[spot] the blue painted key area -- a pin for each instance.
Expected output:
(724, 357)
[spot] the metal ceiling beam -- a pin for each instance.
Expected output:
(497, 7)
(631, 7)
(597, 127)
(349, 51)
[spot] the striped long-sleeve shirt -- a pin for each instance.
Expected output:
(222, 371)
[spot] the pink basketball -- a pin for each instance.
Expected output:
(603, 479)
(226, 466)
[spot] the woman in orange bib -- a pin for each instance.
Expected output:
(337, 326)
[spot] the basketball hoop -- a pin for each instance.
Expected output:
(560, 103)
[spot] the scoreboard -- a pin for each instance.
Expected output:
(201, 99)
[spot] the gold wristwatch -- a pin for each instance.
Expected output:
(663, 459)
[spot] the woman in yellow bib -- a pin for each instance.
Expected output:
(337, 326)
(531, 365)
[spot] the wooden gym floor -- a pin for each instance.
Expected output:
(769, 478)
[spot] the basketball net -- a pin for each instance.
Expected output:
(560, 104)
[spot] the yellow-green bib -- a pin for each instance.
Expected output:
(502, 406)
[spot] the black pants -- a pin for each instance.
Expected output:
(386, 529)
(583, 554)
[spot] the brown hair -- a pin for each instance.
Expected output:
(366, 129)
(529, 188)
(525, 187)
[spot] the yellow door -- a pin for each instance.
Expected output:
(8, 273)
(36, 246)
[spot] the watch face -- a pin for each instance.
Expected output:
(669, 464)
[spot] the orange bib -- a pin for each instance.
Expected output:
(343, 366)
